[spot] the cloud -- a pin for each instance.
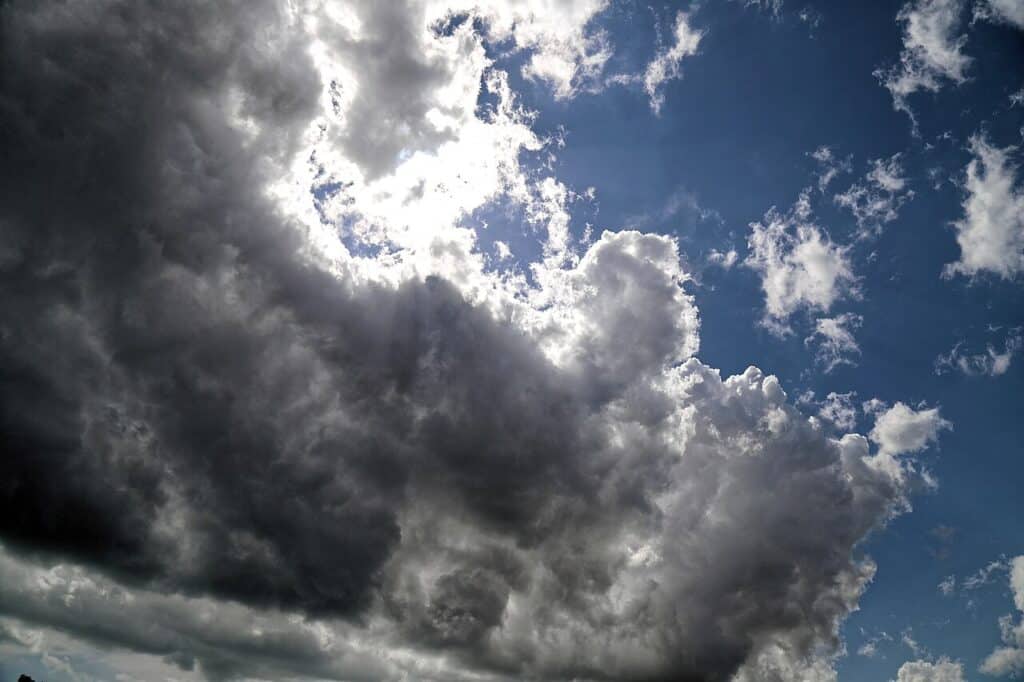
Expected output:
(870, 647)
(942, 670)
(836, 343)
(830, 166)
(800, 267)
(878, 199)
(838, 408)
(774, 7)
(1008, 660)
(948, 585)
(564, 52)
(991, 232)
(901, 429)
(724, 260)
(1001, 11)
(932, 51)
(268, 409)
(991, 363)
(666, 65)
(985, 575)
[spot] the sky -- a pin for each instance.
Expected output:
(512, 340)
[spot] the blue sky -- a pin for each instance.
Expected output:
(410, 340)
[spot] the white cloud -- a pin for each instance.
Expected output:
(800, 267)
(991, 232)
(991, 363)
(724, 260)
(932, 51)
(948, 585)
(1002, 11)
(1008, 660)
(666, 65)
(902, 429)
(839, 409)
(878, 199)
(836, 343)
(943, 670)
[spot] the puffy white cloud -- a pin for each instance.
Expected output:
(942, 670)
(991, 232)
(800, 266)
(932, 51)
(902, 429)
(878, 199)
(991, 363)
(620, 315)
(1008, 660)
(836, 343)
(666, 65)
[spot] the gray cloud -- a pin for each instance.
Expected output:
(210, 430)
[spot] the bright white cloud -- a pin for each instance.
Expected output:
(942, 670)
(800, 266)
(991, 232)
(902, 429)
(667, 64)
(932, 51)
(835, 340)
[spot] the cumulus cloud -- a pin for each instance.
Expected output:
(991, 232)
(901, 429)
(800, 267)
(878, 199)
(666, 65)
(836, 342)
(1008, 660)
(374, 456)
(942, 670)
(932, 51)
(991, 363)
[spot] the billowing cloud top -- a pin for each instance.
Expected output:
(376, 457)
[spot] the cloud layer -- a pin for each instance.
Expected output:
(262, 392)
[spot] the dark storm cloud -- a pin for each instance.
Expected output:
(192, 407)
